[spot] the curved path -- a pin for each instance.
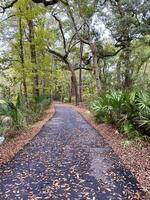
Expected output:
(67, 160)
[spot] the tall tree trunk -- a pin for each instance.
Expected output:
(80, 71)
(33, 60)
(70, 90)
(104, 69)
(74, 81)
(95, 67)
(118, 72)
(127, 75)
(71, 69)
(22, 59)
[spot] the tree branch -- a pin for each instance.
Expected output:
(7, 18)
(111, 54)
(9, 5)
(70, 43)
(57, 54)
(70, 46)
(75, 27)
(62, 32)
(84, 68)
(77, 42)
(46, 3)
(87, 62)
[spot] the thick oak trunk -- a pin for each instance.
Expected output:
(74, 82)
(127, 74)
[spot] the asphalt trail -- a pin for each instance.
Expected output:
(67, 160)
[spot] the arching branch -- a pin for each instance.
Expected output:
(84, 68)
(110, 54)
(4, 8)
(75, 26)
(46, 3)
(61, 30)
(57, 54)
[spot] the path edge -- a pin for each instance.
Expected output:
(89, 118)
(9, 149)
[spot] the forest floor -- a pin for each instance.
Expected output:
(68, 159)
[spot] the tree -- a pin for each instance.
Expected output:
(124, 21)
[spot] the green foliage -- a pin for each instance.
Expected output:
(21, 115)
(8, 116)
(143, 104)
(31, 112)
(8, 109)
(86, 8)
(128, 110)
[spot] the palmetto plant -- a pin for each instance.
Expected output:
(128, 110)
(143, 104)
(108, 106)
(145, 122)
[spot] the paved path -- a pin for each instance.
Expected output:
(67, 160)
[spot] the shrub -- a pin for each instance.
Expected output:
(128, 110)
(143, 104)
(19, 115)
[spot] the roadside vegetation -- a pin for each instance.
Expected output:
(128, 110)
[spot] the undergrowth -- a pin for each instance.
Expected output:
(128, 110)
(21, 114)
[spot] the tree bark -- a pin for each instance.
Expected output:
(74, 81)
(70, 90)
(22, 59)
(118, 70)
(80, 71)
(104, 69)
(71, 69)
(96, 68)
(127, 75)
(33, 60)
